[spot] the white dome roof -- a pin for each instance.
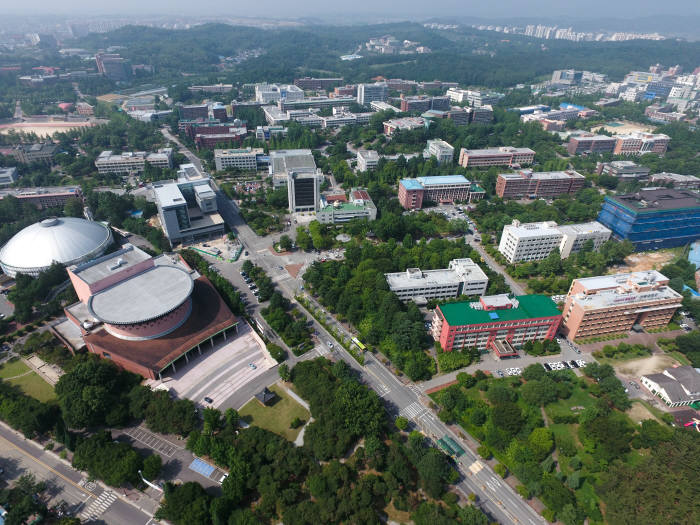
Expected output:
(65, 240)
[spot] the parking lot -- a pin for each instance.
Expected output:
(217, 374)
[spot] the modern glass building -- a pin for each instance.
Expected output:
(653, 218)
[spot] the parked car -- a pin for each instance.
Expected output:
(208, 400)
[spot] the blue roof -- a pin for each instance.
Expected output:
(202, 467)
(411, 184)
(493, 315)
(443, 179)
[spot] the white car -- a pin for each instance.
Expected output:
(581, 363)
(330, 345)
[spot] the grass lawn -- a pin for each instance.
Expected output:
(13, 368)
(579, 398)
(681, 358)
(33, 385)
(612, 361)
(276, 417)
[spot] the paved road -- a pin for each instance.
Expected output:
(88, 500)
(497, 498)
(496, 267)
(194, 159)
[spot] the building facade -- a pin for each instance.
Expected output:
(132, 161)
(527, 183)
(8, 176)
(674, 180)
(503, 156)
(441, 150)
(591, 144)
(612, 304)
(461, 277)
(498, 323)
(338, 211)
(623, 169)
(653, 218)
(367, 160)
(242, 159)
(439, 188)
(303, 191)
(367, 93)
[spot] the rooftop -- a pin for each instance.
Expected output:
(497, 151)
(529, 307)
(169, 195)
(532, 229)
(459, 270)
(299, 160)
(96, 270)
(586, 227)
(411, 184)
(607, 291)
(656, 199)
(443, 179)
(542, 175)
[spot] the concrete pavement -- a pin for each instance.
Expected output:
(496, 267)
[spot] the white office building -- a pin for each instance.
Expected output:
(303, 191)
(367, 159)
(441, 150)
(474, 98)
(285, 161)
(378, 105)
(535, 241)
(132, 161)
(8, 176)
(367, 93)
(462, 277)
(242, 159)
(271, 93)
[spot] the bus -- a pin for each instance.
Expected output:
(358, 344)
(450, 446)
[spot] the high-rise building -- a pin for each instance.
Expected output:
(613, 304)
(461, 277)
(284, 161)
(303, 191)
(527, 183)
(367, 93)
(653, 218)
(497, 322)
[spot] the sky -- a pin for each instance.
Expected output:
(589, 9)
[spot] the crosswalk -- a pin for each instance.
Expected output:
(98, 506)
(382, 390)
(412, 411)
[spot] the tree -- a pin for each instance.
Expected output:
(541, 441)
(73, 207)
(285, 243)
(152, 466)
(114, 463)
(303, 240)
(401, 423)
(186, 504)
(433, 470)
(284, 372)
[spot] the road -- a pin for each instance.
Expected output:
(85, 499)
(194, 159)
(496, 267)
(405, 398)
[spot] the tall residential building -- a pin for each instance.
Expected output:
(653, 218)
(367, 159)
(303, 191)
(503, 156)
(441, 150)
(367, 93)
(242, 159)
(527, 183)
(497, 322)
(359, 206)
(613, 304)
(461, 277)
(535, 241)
(132, 161)
(188, 210)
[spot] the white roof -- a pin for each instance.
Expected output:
(66, 240)
(169, 195)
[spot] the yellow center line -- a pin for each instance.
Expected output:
(24, 452)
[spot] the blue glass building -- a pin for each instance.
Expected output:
(653, 218)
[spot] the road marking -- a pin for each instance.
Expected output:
(99, 506)
(383, 390)
(25, 453)
(476, 467)
(412, 411)
(152, 441)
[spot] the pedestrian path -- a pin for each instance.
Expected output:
(98, 506)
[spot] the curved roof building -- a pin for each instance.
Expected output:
(144, 312)
(65, 240)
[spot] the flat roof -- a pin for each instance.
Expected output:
(657, 199)
(169, 195)
(543, 175)
(443, 179)
(411, 184)
(292, 160)
(96, 270)
(504, 150)
(586, 227)
(600, 282)
(533, 229)
(466, 270)
(529, 307)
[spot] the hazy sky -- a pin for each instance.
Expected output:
(589, 9)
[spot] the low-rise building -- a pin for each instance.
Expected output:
(535, 241)
(267, 132)
(590, 144)
(378, 105)
(359, 206)
(499, 323)
(623, 169)
(503, 156)
(640, 143)
(44, 198)
(441, 150)
(188, 210)
(439, 188)
(266, 93)
(461, 277)
(405, 123)
(28, 153)
(613, 304)
(211, 140)
(367, 159)
(8, 176)
(317, 83)
(677, 387)
(242, 159)
(674, 180)
(653, 218)
(473, 97)
(132, 161)
(527, 183)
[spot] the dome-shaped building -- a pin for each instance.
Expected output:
(64, 240)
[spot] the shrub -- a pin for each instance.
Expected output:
(401, 423)
(501, 470)
(296, 423)
(484, 452)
